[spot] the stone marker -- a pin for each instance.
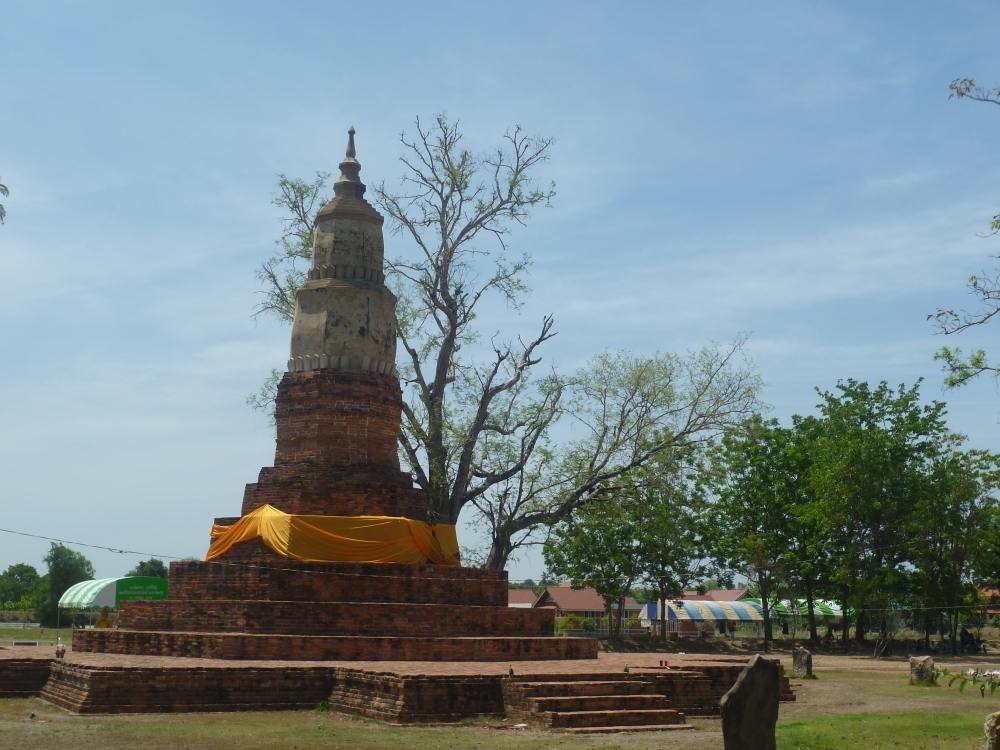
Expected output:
(802, 662)
(750, 708)
(921, 670)
(992, 731)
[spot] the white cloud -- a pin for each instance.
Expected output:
(876, 261)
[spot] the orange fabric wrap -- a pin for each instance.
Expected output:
(372, 539)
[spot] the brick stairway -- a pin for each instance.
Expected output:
(591, 703)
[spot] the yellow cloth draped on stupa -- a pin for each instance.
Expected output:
(368, 539)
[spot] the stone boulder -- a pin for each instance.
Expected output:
(802, 662)
(750, 708)
(921, 670)
(992, 731)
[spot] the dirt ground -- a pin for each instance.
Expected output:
(847, 686)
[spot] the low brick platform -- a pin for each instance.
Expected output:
(397, 692)
(138, 689)
(24, 670)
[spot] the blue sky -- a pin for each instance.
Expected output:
(791, 170)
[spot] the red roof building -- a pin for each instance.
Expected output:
(584, 602)
(717, 595)
(992, 597)
(522, 598)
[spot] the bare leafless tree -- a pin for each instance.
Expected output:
(479, 414)
(4, 191)
(458, 209)
(959, 367)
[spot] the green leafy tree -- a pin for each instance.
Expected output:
(18, 582)
(673, 528)
(65, 568)
(955, 522)
(869, 464)
(984, 287)
(599, 546)
(755, 497)
(153, 567)
(809, 549)
(625, 411)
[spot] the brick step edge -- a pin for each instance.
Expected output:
(243, 646)
(533, 690)
(626, 728)
(600, 702)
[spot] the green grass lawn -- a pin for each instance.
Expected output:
(909, 731)
(42, 635)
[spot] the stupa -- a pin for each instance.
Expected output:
(332, 557)
(332, 571)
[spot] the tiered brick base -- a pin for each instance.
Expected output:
(334, 612)
(398, 692)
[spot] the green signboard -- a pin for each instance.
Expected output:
(140, 587)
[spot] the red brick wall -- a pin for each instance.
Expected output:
(330, 648)
(337, 449)
(289, 580)
(22, 676)
(335, 618)
(338, 418)
(166, 689)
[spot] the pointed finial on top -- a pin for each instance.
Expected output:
(351, 153)
(349, 185)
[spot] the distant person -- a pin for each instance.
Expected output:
(967, 641)
(104, 621)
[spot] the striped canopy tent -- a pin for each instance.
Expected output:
(825, 609)
(699, 611)
(110, 592)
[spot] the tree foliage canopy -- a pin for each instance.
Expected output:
(153, 567)
(65, 568)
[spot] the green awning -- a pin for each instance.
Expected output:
(110, 592)
(822, 608)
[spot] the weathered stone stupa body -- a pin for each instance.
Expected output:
(338, 406)
(332, 557)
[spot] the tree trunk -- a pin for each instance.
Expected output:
(927, 632)
(813, 637)
(663, 615)
(953, 626)
(844, 624)
(766, 607)
(500, 550)
(859, 627)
